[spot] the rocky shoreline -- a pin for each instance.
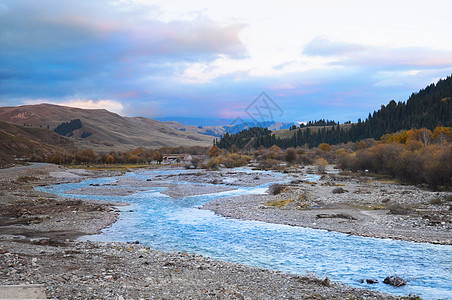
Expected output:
(38, 244)
(88, 270)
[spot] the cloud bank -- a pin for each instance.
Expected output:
(161, 59)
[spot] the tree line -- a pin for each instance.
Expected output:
(429, 108)
(139, 155)
(414, 156)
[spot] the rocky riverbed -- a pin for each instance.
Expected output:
(38, 244)
(359, 205)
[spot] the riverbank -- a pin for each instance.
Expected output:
(38, 233)
(357, 205)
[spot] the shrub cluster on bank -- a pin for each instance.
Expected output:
(414, 156)
(417, 156)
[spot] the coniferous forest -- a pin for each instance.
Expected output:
(66, 128)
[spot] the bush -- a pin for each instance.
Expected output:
(277, 188)
(195, 162)
(291, 155)
(431, 164)
(235, 160)
(268, 164)
(325, 147)
(305, 159)
(213, 164)
(338, 190)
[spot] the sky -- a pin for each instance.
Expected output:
(211, 60)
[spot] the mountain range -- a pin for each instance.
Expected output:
(220, 130)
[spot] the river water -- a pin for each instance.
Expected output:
(168, 224)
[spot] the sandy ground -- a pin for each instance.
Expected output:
(349, 204)
(38, 245)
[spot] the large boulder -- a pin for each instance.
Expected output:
(371, 281)
(395, 281)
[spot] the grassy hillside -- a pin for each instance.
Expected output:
(22, 142)
(109, 131)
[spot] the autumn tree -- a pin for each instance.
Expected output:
(325, 147)
(362, 145)
(138, 151)
(109, 159)
(425, 136)
(274, 152)
(157, 156)
(321, 164)
(214, 151)
(87, 155)
(442, 134)
(132, 159)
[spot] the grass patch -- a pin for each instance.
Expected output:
(377, 207)
(279, 203)
(328, 183)
(390, 181)
(310, 182)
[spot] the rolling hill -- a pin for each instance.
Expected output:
(101, 129)
(24, 142)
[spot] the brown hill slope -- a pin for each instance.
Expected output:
(109, 131)
(18, 141)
